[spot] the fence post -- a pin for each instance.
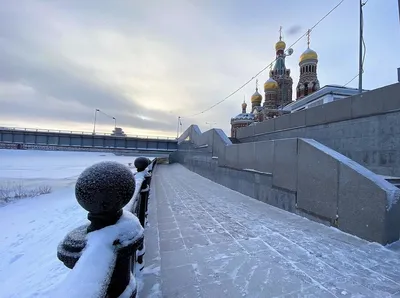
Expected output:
(103, 190)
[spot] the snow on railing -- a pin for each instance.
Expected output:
(106, 253)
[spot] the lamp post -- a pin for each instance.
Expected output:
(398, 69)
(95, 119)
(360, 54)
(178, 127)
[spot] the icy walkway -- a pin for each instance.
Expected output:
(205, 240)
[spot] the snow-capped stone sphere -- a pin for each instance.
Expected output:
(105, 187)
(141, 163)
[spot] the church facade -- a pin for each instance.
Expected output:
(278, 88)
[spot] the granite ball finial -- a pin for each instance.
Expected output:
(105, 187)
(141, 163)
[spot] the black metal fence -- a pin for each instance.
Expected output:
(106, 254)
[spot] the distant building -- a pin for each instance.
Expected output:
(324, 95)
(118, 132)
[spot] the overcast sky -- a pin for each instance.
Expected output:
(146, 62)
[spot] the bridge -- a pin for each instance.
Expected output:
(27, 138)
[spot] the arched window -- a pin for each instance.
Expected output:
(305, 89)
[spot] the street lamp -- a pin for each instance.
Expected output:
(115, 122)
(398, 69)
(179, 126)
(95, 119)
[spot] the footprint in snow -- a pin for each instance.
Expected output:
(15, 258)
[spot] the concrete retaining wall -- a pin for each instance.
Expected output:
(365, 128)
(304, 177)
(250, 183)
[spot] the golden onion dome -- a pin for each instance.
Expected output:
(244, 105)
(256, 97)
(270, 84)
(280, 45)
(308, 55)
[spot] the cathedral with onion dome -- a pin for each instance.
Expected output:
(278, 88)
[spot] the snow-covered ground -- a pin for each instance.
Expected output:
(32, 228)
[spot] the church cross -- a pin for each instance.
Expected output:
(308, 37)
(280, 33)
(256, 84)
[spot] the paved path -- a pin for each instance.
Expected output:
(206, 240)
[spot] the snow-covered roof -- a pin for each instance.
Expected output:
(244, 116)
(328, 89)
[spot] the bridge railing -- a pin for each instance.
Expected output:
(106, 254)
(85, 133)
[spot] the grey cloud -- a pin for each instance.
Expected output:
(294, 30)
(25, 59)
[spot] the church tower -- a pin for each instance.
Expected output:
(256, 98)
(308, 82)
(271, 92)
(281, 74)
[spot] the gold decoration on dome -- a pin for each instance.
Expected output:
(256, 97)
(280, 45)
(270, 84)
(308, 54)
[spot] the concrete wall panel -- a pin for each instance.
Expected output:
(87, 142)
(153, 144)
(317, 181)
(18, 138)
(29, 139)
(76, 141)
(65, 141)
(316, 115)
(53, 140)
(285, 164)
(120, 143)
(142, 144)
(264, 156)
(98, 142)
(297, 119)
(232, 156)
(265, 126)
(282, 122)
(110, 143)
(363, 207)
(132, 144)
(41, 140)
(338, 110)
(246, 156)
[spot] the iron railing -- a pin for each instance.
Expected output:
(116, 200)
